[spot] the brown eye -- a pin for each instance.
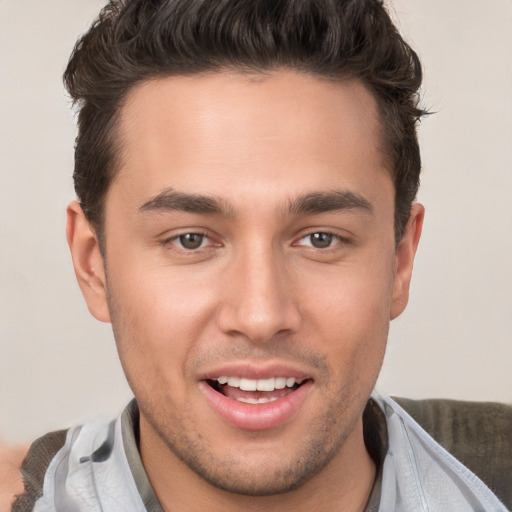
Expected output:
(191, 241)
(321, 240)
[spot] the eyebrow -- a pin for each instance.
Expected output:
(171, 200)
(313, 203)
(323, 202)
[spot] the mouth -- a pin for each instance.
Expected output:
(255, 391)
(256, 404)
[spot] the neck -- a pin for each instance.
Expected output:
(345, 483)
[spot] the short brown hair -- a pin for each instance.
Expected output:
(136, 40)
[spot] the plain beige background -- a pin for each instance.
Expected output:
(58, 366)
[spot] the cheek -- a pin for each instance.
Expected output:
(157, 317)
(351, 311)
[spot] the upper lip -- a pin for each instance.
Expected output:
(255, 371)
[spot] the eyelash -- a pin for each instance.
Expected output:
(174, 240)
(337, 239)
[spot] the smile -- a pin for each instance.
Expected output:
(255, 391)
(256, 403)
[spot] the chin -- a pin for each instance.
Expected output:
(260, 471)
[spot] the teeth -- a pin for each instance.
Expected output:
(266, 384)
(248, 384)
(280, 382)
(256, 400)
(232, 381)
(259, 384)
(248, 400)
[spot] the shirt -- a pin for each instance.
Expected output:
(98, 467)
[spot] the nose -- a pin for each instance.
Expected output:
(258, 297)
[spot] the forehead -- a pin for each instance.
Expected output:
(221, 132)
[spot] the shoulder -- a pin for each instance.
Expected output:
(82, 465)
(34, 467)
(478, 434)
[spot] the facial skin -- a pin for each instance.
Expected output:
(292, 271)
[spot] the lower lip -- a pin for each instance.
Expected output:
(256, 416)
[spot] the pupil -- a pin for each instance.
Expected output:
(321, 240)
(191, 240)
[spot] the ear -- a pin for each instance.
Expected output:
(404, 260)
(88, 262)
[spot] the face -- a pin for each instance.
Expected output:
(251, 272)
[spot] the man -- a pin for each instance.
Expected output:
(246, 175)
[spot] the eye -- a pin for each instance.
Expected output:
(319, 240)
(190, 241)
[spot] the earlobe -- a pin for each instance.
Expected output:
(405, 259)
(87, 261)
